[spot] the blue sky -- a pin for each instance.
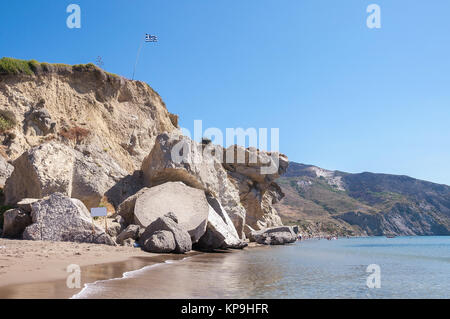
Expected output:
(343, 96)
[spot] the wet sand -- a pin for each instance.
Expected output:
(37, 269)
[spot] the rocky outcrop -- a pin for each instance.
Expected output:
(6, 170)
(254, 173)
(187, 203)
(60, 218)
(14, 223)
(178, 158)
(182, 238)
(55, 167)
(98, 138)
(274, 236)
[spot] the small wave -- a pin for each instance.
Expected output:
(93, 288)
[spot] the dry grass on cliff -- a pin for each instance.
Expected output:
(76, 134)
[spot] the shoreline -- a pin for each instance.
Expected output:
(38, 269)
(27, 264)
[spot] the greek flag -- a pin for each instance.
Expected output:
(151, 38)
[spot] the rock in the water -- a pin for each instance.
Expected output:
(182, 238)
(161, 241)
(60, 218)
(220, 232)
(188, 204)
(14, 223)
(132, 231)
(275, 236)
(6, 170)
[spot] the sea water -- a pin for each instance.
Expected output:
(407, 267)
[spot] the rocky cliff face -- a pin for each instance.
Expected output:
(325, 201)
(85, 108)
(99, 138)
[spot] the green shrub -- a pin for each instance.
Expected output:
(15, 66)
(5, 124)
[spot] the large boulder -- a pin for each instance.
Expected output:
(6, 170)
(187, 203)
(182, 238)
(126, 208)
(161, 241)
(60, 218)
(177, 158)
(41, 171)
(14, 223)
(274, 236)
(83, 173)
(220, 232)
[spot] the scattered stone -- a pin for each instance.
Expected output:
(132, 231)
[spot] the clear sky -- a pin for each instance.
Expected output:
(344, 96)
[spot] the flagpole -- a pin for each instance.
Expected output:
(137, 58)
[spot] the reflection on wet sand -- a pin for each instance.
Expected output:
(59, 290)
(213, 275)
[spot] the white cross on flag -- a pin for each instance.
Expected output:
(151, 38)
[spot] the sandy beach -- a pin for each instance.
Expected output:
(38, 269)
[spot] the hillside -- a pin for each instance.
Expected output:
(323, 201)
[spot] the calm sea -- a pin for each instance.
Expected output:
(410, 267)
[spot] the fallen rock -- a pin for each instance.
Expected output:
(188, 204)
(126, 208)
(132, 231)
(182, 238)
(177, 158)
(274, 236)
(161, 241)
(220, 231)
(60, 218)
(41, 171)
(14, 223)
(86, 174)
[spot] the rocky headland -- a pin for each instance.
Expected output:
(76, 137)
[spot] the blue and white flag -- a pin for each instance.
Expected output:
(151, 38)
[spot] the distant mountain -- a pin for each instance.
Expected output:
(334, 202)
